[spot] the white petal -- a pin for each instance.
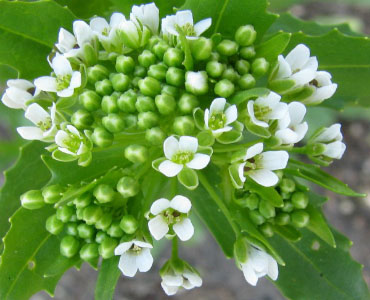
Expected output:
(273, 270)
(250, 107)
(36, 114)
(241, 172)
(312, 64)
(169, 290)
(335, 150)
(73, 130)
(181, 204)
(264, 177)
(9, 102)
(170, 147)
(82, 32)
(217, 132)
(99, 25)
(206, 118)
(284, 122)
(284, 70)
(258, 260)
(329, 134)
(142, 244)
(193, 278)
(122, 248)
(169, 168)
(75, 80)
(188, 143)
(158, 227)
(249, 274)
(116, 19)
(21, 84)
(127, 264)
(301, 131)
(46, 83)
(172, 279)
(61, 66)
(253, 151)
(231, 114)
(66, 40)
(271, 100)
(274, 160)
(30, 133)
(297, 112)
(18, 95)
(321, 94)
(217, 105)
(304, 76)
(68, 92)
(278, 111)
(200, 161)
(184, 17)
(184, 229)
(287, 136)
(60, 137)
(144, 260)
(159, 205)
(298, 57)
(202, 26)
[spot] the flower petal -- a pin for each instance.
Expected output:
(144, 260)
(329, 134)
(75, 80)
(202, 26)
(304, 76)
(200, 161)
(253, 151)
(170, 147)
(274, 160)
(61, 66)
(99, 25)
(158, 227)
(241, 172)
(231, 114)
(181, 204)
(68, 92)
(273, 270)
(250, 107)
(127, 264)
(172, 279)
(284, 70)
(169, 168)
(188, 143)
(159, 205)
(335, 150)
(122, 248)
(298, 57)
(287, 136)
(9, 102)
(193, 278)
(184, 17)
(217, 105)
(116, 19)
(264, 177)
(46, 83)
(278, 111)
(184, 229)
(21, 84)
(297, 112)
(169, 290)
(206, 118)
(30, 133)
(142, 244)
(36, 114)
(249, 274)
(83, 32)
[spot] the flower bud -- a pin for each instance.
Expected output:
(300, 218)
(139, 71)
(54, 225)
(149, 86)
(230, 74)
(129, 224)
(144, 103)
(242, 66)
(247, 81)
(158, 71)
(175, 76)
(89, 251)
(147, 120)
(115, 230)
(241, 250)
(287, 185)
(85, 231)
(32, 199)
(252, 201)
(120, 82)
(256, 217)
(299, 200)
(288, 206)
(245, 35)
(267, 230)
(260, 67)
(155, 136)
(160, 49)
(101, 236)
(90, 55)
(173, 57)
(165, 103)
(227, 48)
(215, 69)
(109, 104)
(126, 102)
(107, 246)
(136, 153)
(52, 193)
(201, 48)
(96, 73)
(79, 213)
(146, 59)
(154, 40)
(104, 87)
(128, 187)
(104, 193)
(90, 100)
(104, 222)
(282, 218)
(65, 213)
(130, 121)
(183, 125)
(125, 64)
(315, 149)
(170, 90)
(82, 119)
(247, 52)
(187, 103)
(71, 229)
(224, 88)
(102, 138)
(92, 213)
(69, 246)
(196, 83)
(113, 123)
(266, 209)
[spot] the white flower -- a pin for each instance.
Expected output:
(331, 138)
(184, 19)
(66, 79)
(182, 153)
(45, 128)
(172, 281)
(259, 166)
(172, 213)
(135, 255)
(130, 33)
(196, 82)
(264, 109)
(259, 264)
(291, 128)
(17, 94)
(71, 141)
(218, 119)
(146, 14)
(323, 88)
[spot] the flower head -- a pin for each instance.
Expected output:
(323, 88)
(135, 255)
(172, 213)
(18, 93)
(146, 14)
(71, 141)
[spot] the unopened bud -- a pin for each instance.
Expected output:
(128, 187)
(187, 103)
(126, 102)
(147, 120)
(230, 74)
(130, 121)
(165, 103)
(242, 66)
(252, 201)
(183, 125)
(300, 200)
(175, 76)
(287, 185)
(92, 213)
(90, 55)
(247, 81)
(71, 229)
(139, 71)
(104, 222)
(150, 86)
(256, 217)
(227, 48)
(125, 64)
(100, 236)
(173, 57)
(260, 67)
(160, 49)
(54, 225)
(158, 71)
(201, 48)
(65, 213)
(129, 224)
(52, 193)
(115, 230)
(69, 246)
(107, 246)
(97, 73)
(136, 153)
(282, 218)
(266, 209)
(288, 206)
(104, 87)
(146, 59)
(267, 230)
(104, 193)
(196, 83)
(247, 52)
(215, 69)
(241, 250)
(32, 199)
(155, 136)
(89, 251)
(109, 104)
(90, 100)
(120, 82)
(85, 231)
(102, 137)
(144, 104)
(245, 35)
(82, 119)
(113, 123)
(224, 88)
(170, 90)
(300, 218)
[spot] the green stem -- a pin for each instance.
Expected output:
(234, 147)
(175, 248)
(300, 150)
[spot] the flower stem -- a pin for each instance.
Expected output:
(230, 148)
(175, 248)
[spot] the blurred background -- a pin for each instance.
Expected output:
(221, 279)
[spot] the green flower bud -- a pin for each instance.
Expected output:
(215, 69)
(107, 246)
(85, 231)
(109, 104)
(128, 187)
(184, 125)
(215, 56)
(65, 213)
(129, 224)
(97, 73)
(101, 236)
(126, 102)
(267, 230)
(130, 121)
(104, 222)
(287, 185)
(201, 48)
(187, 103)
(256, 217)
(115, 230)
(82, 119)
(230, 74)
(147, 120)
(52, 193)
(54, 225)
(120, 82)
(300, 218)
(125, 64)
(79, 213)
(224, 88)
(300, 200)
(165, 103)
(282, 218)
(175, 76)
(71, 229)
(146, 59)
(92, 213)
(149, 86)
(104, 87)
(102, 138)
(113, 123)
(285, 196)
(245, 35)
(247, 81)
(155, 136)
(90, 100)
(154, 40)
(139, 71)
(90, 55)
(136, 153)
(160, 49)
(260, 67)
(173, 57)
(89, 252)
(266, 209)
(32, 199)
(242, 66)
(145, 103)
(288, 206)
(227, 48)
(247, 52)
(170, 90)
(158, 72)
(252, 201)
(69, 246)
(104, 193)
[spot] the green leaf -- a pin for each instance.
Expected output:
(267, 193)
(288, 232)
(243, 96)
(86, 9)
(314, 174)
(315, 270)
(273, 46)
(107, 279)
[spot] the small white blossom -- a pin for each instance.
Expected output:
(182, 153)
(66, 79)
(184, 19)
(291, 128)
(146, 14)
(135, 255)
(17, 94)
(196, 82)
(323, 88)
(172, 213)
(172, 281)
(264, 109)
(45, 128)
(259, 165)
(71, 141)
(217, 119)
